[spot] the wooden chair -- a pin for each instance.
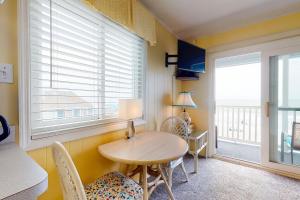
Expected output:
(179, 127)
(110, 186)
(295, 143)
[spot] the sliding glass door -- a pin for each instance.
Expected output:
(272, 126)
(284, 108)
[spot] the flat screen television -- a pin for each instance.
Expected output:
(186, 75)
(190, 57)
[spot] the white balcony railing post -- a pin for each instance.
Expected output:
(255, 126)
(238, 123)
(223, 121)
(250, 123)
(227, 122)
(244, 123)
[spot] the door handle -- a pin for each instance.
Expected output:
(268, 109)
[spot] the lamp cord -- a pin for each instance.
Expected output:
(172, 94)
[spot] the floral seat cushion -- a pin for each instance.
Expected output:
(113, 186)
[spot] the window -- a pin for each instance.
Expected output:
(81, 64)
(60, 114)
(76, 113)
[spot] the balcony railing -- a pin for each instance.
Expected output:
(294, 110)
(239, 123)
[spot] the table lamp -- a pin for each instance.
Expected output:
(130, 109)
(185, 100)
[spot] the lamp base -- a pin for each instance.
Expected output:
(131, 129)
(186, 117)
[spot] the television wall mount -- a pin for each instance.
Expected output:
(168, 62)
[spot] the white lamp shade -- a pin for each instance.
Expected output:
(185, 100)
(130, 108)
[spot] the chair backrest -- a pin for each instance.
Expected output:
(69, 178)
(176, 126)
(296, 136)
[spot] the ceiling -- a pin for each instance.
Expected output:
(189, 19)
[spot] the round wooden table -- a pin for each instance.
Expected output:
(145, 149)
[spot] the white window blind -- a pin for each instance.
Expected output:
(81, 65)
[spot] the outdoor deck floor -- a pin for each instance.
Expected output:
(239, 151)
(249, 152)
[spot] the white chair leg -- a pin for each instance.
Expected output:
(184, 171)
(196, 163)
(292, 156)
(170, 177)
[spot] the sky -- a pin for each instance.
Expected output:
(238, 85)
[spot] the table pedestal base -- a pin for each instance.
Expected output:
(159, 178)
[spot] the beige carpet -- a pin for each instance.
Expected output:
(218, 180)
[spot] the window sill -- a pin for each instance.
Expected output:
(79, 133)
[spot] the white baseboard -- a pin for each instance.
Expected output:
(257, 166)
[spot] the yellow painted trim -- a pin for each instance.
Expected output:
(264, 28)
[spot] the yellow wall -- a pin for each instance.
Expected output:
(84, 152)
(9, 54)
(276, 25)
(200, 88)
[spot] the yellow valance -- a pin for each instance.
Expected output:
(129, 13)
(143, 22)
